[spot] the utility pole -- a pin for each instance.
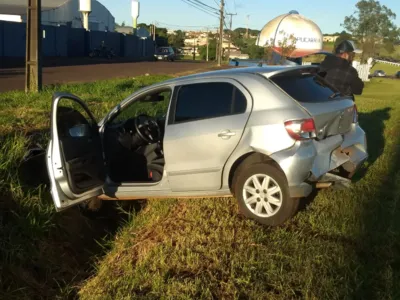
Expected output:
(207, 44)
(230, 34)
(33, 69)
(247, 30)
(194, 47)
(221, 32)
(216, 49)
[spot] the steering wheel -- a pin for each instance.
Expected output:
(147, 129)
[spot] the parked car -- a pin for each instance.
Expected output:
(267, 136)
(379, 73)
(165, 53)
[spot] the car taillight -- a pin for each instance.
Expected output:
(355, 114)
(301, 129)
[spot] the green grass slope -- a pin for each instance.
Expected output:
(44, 254)
(344, 244)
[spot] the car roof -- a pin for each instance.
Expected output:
(267, 72)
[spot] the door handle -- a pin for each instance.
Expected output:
(226, 134)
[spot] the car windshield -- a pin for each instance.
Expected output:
(163, 51)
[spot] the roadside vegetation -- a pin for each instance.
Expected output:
(343, 244)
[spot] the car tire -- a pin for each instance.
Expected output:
(283, 206)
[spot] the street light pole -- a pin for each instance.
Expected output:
(230, 34)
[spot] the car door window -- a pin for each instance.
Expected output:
(80, 146)
(73, 120)
(208, 100)
(152, 104)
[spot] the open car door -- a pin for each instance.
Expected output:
(74, 156)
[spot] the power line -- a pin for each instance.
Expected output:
(214, 14)
(206, 5)
(235, 5)
(199, 6)
(186, 26)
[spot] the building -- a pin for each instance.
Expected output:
(140, 31)
(330, 38)
(63, 12)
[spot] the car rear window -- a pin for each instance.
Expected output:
(305, 87)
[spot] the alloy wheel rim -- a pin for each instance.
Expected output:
(262, 195)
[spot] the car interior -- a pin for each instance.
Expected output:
(133, 140)
(132, 143)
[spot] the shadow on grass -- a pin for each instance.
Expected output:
(373, 125)
(378, 251)
(45, 254)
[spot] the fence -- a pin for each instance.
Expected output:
(64, 41)
(362, 69)
(388, 62)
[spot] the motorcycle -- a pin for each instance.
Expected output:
(103, 52)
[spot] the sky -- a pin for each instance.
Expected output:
(328, 15)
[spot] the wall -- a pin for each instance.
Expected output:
(13, 39)
(64, 41)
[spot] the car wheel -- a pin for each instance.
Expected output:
(262, 193)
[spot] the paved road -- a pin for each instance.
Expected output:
(14, 79)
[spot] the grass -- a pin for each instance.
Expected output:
(44, 253)
(328, 46)
(390, 70)
(344, 244)
(395, 54)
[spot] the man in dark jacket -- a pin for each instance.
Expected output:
(339, 72)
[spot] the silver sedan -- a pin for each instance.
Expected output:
(267, 136)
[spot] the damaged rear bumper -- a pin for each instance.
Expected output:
(309, 162)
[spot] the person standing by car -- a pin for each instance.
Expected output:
(339, 72)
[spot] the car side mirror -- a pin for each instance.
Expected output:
(80, 130)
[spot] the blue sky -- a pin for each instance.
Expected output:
(327, 14)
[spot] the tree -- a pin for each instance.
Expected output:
(212, 48)
(162, 32)
(342, 37)
(144, 25)
(177, 39)
(254, 51)
(123, 24)
(286, 45)
(372, 25)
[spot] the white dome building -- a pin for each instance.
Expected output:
(307, 34)
(63, 12)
